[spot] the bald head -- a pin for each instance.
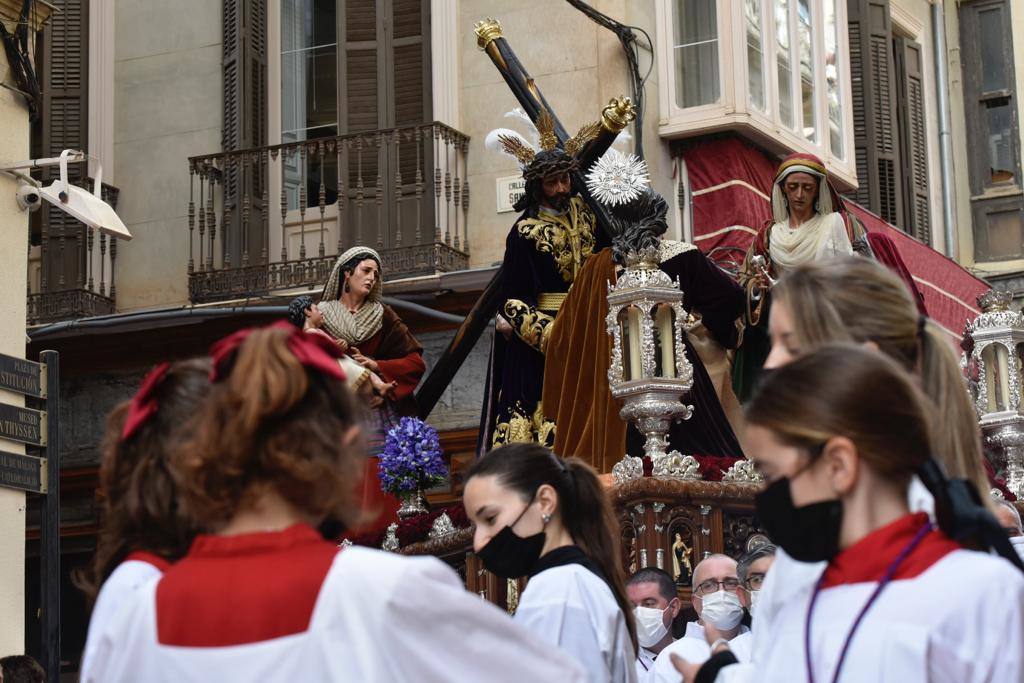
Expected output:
(715, 566)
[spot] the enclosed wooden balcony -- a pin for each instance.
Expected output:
(271, 220)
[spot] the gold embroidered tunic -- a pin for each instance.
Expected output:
(543, 255)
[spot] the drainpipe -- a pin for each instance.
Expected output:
(945, 142)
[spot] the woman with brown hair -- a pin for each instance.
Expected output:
(143, 529)
(263, 597)
(859, 301)
(567, 543)
(838, 433)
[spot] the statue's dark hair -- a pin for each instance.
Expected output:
(639, 224)
(297, 310)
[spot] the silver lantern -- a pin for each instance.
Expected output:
(649, 370)
(998, 336)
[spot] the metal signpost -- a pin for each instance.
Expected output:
(39, 473)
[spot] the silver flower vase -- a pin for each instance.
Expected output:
(413, 503)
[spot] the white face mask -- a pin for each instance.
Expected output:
(722, 609)
(650, 625)
(754, 597)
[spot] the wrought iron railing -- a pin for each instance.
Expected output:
(71, 265)
(274, 218)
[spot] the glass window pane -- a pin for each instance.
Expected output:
(696, 52)
(806, 44)
(1001, 152)
(755, 61)
(783, 61)
(991, 43)
(832, 84)
(309, 92)
(999, 236)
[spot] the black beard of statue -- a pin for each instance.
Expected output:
(559, 202)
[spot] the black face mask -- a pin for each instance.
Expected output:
(509, 556)
(809, 533)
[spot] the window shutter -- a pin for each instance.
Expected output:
(917, 218)
(244, 126)
(876, 137)
(64, 125)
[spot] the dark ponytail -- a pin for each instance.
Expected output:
(582, 502)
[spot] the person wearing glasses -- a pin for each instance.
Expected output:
(716, 599)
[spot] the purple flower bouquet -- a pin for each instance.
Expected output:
(412, 459)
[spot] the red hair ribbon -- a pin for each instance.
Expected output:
(311, 350)
(144, 405)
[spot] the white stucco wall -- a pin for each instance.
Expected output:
(167, 107)
(14, 142)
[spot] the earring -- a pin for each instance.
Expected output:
(546, 517)
(347, 288)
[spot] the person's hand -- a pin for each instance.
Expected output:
(342, 344)
(689, 670)
(376, 401)
(367, 362)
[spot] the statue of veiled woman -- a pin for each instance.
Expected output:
(375, 337)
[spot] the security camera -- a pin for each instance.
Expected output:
(88, 207)
(29, 197)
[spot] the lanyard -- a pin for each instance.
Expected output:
(886, 578)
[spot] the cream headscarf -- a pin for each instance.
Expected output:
(822, 236)
(356, 328)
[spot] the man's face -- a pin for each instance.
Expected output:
(647, 595)
(801, 190)
(363, 277)
(713, 575)
(314, 316)
(556, 190)
(755, 577)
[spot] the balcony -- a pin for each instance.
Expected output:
(272, 220)
(70, 265)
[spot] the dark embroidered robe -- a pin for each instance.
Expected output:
(543, 255)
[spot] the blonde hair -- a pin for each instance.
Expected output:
(847, 390)
(857, 300)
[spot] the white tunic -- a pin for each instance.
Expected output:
(118, 589)
(573, 608)
(693, 647)
(644, 665)
(961, 620)
(378, 617)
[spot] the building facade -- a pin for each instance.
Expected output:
(246, 143)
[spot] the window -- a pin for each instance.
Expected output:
(992, 130)
(783, 59)
(309, 93)
(696, 53)
(833, 67)
(774, 70)
(889, 120)
(755, 55)
(806, 70)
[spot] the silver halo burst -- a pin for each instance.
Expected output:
(617, 178)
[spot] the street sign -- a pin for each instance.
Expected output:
(510, 189)
(25, 472)
(22, 376)
(23, 424)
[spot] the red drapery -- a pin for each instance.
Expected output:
(730, 182)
